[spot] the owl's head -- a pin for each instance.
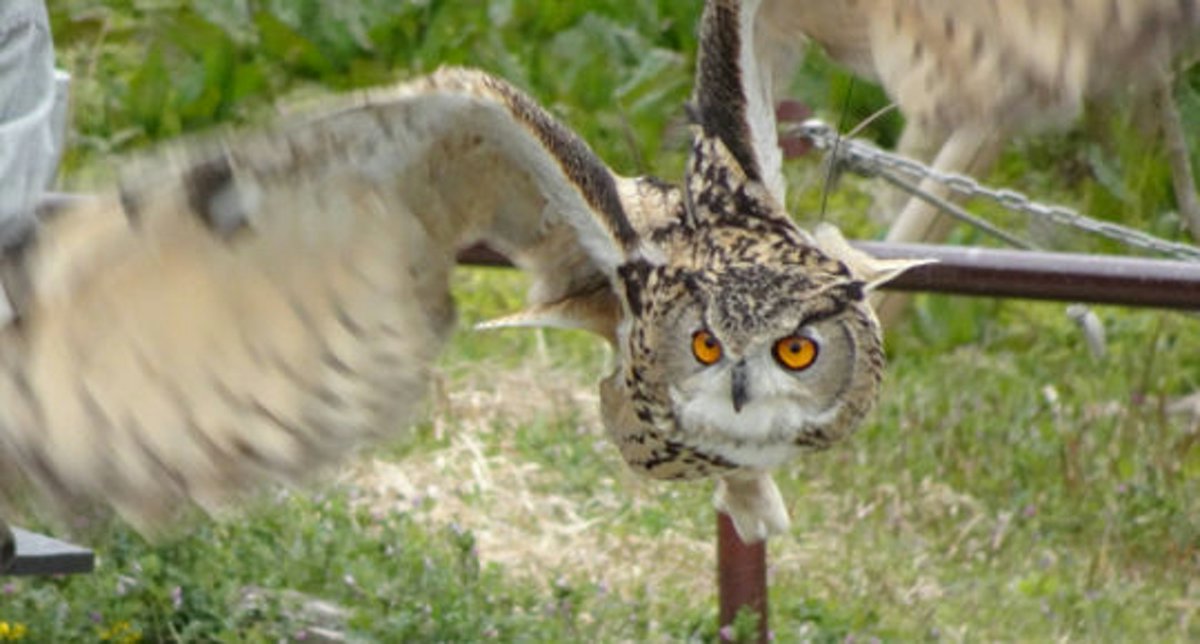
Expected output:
(751, 336)
(759, 354)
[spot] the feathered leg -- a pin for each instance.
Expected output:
(753, 502)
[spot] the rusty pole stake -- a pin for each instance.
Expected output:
(741, 576)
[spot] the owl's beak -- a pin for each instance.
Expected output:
(741, 391)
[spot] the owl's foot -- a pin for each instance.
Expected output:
(753, 502)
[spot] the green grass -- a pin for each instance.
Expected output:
(1010, 486)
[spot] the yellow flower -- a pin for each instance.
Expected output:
(121, 632)
(12, 632)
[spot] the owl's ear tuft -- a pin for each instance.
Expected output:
(874, 272)
(717, 187)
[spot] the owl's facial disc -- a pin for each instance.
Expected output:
(794, 353)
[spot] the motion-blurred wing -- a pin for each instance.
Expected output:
(252, 308)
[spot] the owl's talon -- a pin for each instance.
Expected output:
(754, 504)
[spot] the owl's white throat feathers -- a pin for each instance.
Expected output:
(775, 414)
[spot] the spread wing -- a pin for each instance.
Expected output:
(734, 94)
(251, 308)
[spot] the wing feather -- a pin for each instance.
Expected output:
(734, 94)
(252, 308)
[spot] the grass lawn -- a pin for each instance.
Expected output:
(1010, 486)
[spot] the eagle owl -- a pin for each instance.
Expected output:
(248, 308)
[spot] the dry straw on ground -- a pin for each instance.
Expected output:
(481, 483)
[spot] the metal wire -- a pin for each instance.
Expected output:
(868, 160)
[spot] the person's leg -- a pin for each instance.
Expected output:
(29, 140)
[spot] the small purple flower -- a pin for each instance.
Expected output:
(301, 635)
(177, 597)
(726, 633)
(96, 617)
(10, 589)
(1030, 511)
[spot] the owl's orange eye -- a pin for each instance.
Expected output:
(795, 352)
(706, 347)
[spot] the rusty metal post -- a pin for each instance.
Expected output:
(741, 576)
(1070, 277)
(991, 272)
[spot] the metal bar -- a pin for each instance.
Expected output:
(1096, 279)
(741, 576)
(482, 255)
(1069, 277)
(29, 553)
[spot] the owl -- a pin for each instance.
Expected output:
(969, 74)
(249, 308)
